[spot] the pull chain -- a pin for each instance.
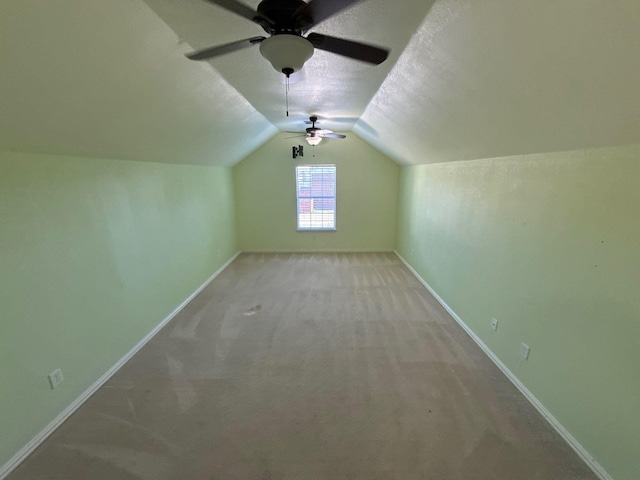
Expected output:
(286, 95)
(287, 72)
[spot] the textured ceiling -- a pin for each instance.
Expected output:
(335, 88)
(493, 78)
(109, 79)
(465, 79)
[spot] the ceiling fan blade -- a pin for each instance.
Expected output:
(332, 135)
(211, 52)
(243, 10)
(316, 11)
(349, 48)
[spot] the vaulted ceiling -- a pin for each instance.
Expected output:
(465, 79)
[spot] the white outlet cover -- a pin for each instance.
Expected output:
(494, 324)
(524, 351)
(55, 378)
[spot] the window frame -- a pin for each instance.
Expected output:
(334, 197)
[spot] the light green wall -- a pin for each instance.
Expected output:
(548, 244)
(367, 183)
(94, 253)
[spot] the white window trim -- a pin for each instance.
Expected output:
(335, 199)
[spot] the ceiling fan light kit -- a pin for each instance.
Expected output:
(287, 53)
(313, 140)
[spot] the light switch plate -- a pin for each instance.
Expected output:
(494, 324)
(55, 378)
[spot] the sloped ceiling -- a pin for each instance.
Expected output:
(335, 88)
(485, 79)
(109, 79)
(465, 79)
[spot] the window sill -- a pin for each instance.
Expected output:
(315, 230)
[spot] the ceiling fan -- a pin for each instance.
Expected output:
(314, 135)
(286, 21)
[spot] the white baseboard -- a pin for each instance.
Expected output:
(591, 462)
(25, 451)
(337, 250)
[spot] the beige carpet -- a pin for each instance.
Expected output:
(308, 367)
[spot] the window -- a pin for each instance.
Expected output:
(316, 197)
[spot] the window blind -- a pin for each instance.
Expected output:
(316, 197)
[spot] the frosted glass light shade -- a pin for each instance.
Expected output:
(313, 141)
(286, 51)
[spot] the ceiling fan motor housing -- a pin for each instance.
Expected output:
(284, 15)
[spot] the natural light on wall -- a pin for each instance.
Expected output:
(316, 197)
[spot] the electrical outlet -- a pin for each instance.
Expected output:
(524, 351)
(55, 378)
(494, 324)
